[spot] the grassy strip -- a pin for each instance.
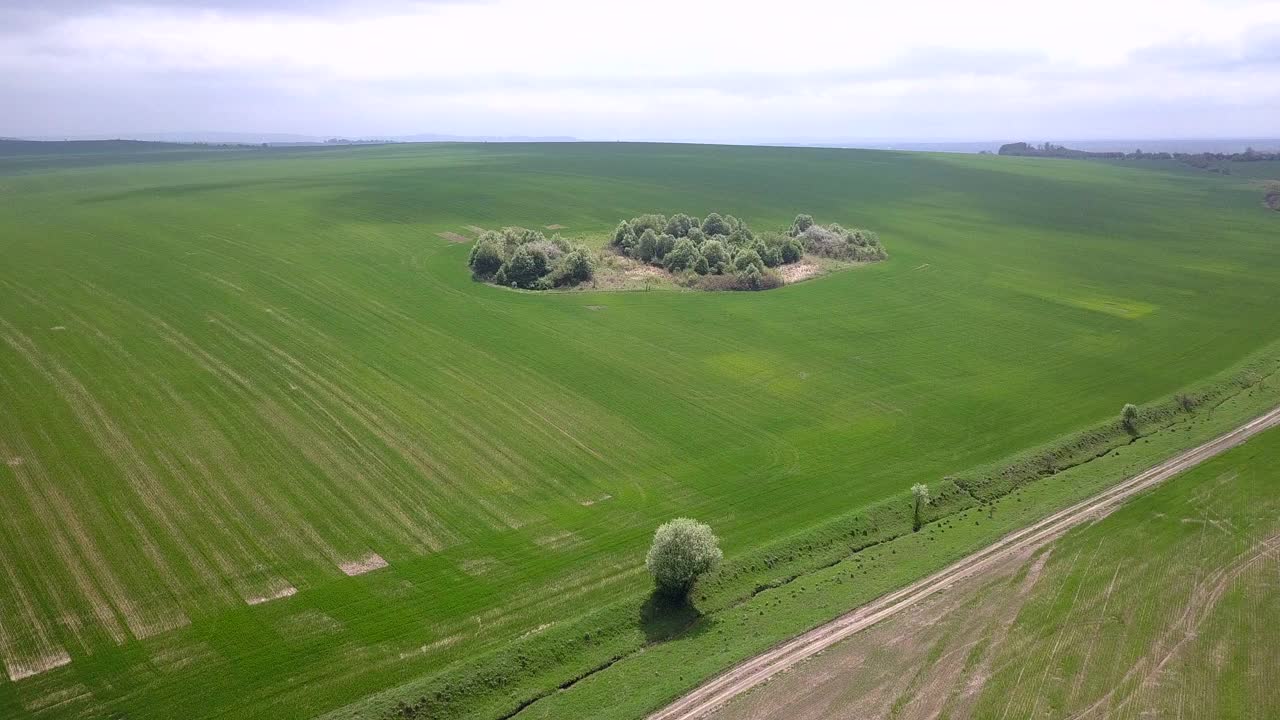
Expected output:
(630, 657)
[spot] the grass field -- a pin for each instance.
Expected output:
(227, 376)
(1167, 608)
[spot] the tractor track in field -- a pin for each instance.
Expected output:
(751, 673)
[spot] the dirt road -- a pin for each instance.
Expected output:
(759, 669)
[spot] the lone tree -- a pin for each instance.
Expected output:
(1129, 416)
(683, 549)
(920, 493)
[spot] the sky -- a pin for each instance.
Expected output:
(713, 70)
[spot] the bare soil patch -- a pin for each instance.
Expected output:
(283, 591)
(641, 271)
(368, 563)
(437, 645)
(309, 623)
(797, 272)
(474, 228)
(596, 307)
(454, 237)
(476, 567)
(589, 503)
(557, 541)
(557, 227)
(22, 668)
(175, 654)
(58, 698)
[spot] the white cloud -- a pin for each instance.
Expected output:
(666, 68)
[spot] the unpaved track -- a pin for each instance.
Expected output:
(757, 670)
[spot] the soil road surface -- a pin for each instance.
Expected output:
(759, 669)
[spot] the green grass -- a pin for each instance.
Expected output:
(268, 363)
(1165, 608)
(643, 681)
(1191, 629)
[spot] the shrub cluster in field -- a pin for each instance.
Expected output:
(720, 252)
(528, 259)
(834, 241)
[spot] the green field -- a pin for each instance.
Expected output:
(1167, 608)
(226, 374)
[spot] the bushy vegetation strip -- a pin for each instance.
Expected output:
(511, 678)
(718, 252)
(528, 259)
(1213, 161)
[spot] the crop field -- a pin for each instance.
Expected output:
(1169, 607)
(266, 449)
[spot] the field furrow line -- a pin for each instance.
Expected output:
(759, 669)
(115, 444)
(432, 532)
(1063, 631)
(77, 553)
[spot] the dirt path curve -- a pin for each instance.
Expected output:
(757, 670)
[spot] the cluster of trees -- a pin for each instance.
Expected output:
(528, 259)
(1272, 197)
(716, 245)
(836, 242)
(727, 254)
(1205, 160)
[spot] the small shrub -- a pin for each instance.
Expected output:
(717, 257)
(574, 268)
(1129, 417)
(715, 224)
(791, 251)
(682, 256)
(486, 257)
(647, 245)
(683, 550)
(653, 221)
(747, 258)
(920, 498)
(624, 238)
(1272, 196)
(527, 264)
(679, 225)
(665, 243)
(802, 223)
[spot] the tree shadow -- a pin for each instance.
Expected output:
(663, 617)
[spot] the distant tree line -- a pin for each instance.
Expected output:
(720, 252)
(1215, 162)
(527, 259)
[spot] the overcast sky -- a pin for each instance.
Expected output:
(727, 70)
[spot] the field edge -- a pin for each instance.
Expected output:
(528, 676)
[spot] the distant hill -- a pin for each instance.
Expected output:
(14, 146)
(245, 138)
